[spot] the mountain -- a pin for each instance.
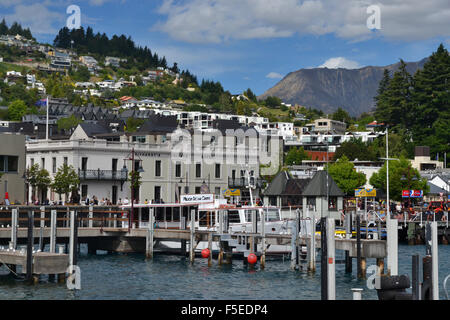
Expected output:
(328, 89)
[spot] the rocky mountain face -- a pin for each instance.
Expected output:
(328, 89)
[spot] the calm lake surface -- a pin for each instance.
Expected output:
(125, 277)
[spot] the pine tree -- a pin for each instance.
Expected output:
(431, 102)
(4, 27)
(382, 110)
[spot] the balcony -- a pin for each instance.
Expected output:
(102, 175)
(243, 182)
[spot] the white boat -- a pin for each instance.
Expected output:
(238, 220)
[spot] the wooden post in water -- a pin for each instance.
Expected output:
(358, 246)
(392, 246)
(263, 240)
(41, 230)
(348, 232)
(183, 226)
(434, 259)
(91, 216)
(294, 247)
(312, 245)
(323, 259)
(363, 267)
(192, 238)
(210, 249)
(150, 234)
(220, 257)
(415, 277)
(14, 225)
(331, 255)
(380, 266)
(30, 241)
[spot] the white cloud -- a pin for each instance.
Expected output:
(37, 17)
(340, 62)
(215, 21)
(274, 75)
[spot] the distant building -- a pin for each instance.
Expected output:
(328, 125)
(422, 160)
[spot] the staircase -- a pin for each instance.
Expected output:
(234, 243)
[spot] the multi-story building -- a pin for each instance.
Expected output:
(103, 160)
(12, 168)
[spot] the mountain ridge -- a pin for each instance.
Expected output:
(328, 89)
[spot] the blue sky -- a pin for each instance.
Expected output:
(254, 43)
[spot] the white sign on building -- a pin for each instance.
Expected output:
(197, 198)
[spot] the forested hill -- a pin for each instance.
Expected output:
(86, 42)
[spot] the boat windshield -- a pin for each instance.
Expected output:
(272, 214)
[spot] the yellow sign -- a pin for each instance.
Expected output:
(232, 192)
(365, 193)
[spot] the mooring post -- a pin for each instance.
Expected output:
(220, 257)
(14, 224)
(323, 259)
(263, 240)
(294, 247)
(331, 255)
(150, 233)
(392, 246)
(192, 238)
(30, 241)
(91, 216)
(357, 293)
(53, 231)
(312, 246)
(380, 267)
(415, 277)
(434, 259)
(358, 246)
(210, 248)
(115, 221)
(72, 250)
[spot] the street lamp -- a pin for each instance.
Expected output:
(133, 169)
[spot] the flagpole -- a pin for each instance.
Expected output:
(46, 126)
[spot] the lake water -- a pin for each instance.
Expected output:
(120, 276)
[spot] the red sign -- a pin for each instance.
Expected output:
(330, 260)
(405, 193)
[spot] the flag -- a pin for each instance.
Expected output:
(41, 103)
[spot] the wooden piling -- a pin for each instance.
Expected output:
(14, 225)
(380, 266)
(30, 242)
(41, 230)
(363, 267)
(358, 246)
(415, 277)
(311, 247)
(263, 240)
(323, 259)
(293, 247)
(331, 257)
(192, 238)
(348, 262)
(53, 231)
(220, 257)
(150, 234)
(210, 249)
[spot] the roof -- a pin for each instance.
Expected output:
(285, 184)
(434, 189)
(317, 186)
(158, 123)
(92, 129)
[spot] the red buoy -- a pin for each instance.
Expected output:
(205, 253)
(252, 259)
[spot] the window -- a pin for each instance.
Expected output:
(9, 163)
(197, 190)
(140, 139)
(114, 165)
(32, 162)
(178, 170)
(65, 161)
(217, 170)
(42, 163)
(157, 168)
(217, 190)
(233, 217)
(157, 193)
(84, 191)
(84, 164)
(198, 170)
(53, 165)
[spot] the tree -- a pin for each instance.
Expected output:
(16, 110)
(39, 179)
(68, 123)
(398, 169)
(355, 149)
(273, 102)
(296, 156)
(346, 177)
(341, 115)
(65, 180)
(133, 124)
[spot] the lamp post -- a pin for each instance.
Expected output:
(132, 182)
(388, 209)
